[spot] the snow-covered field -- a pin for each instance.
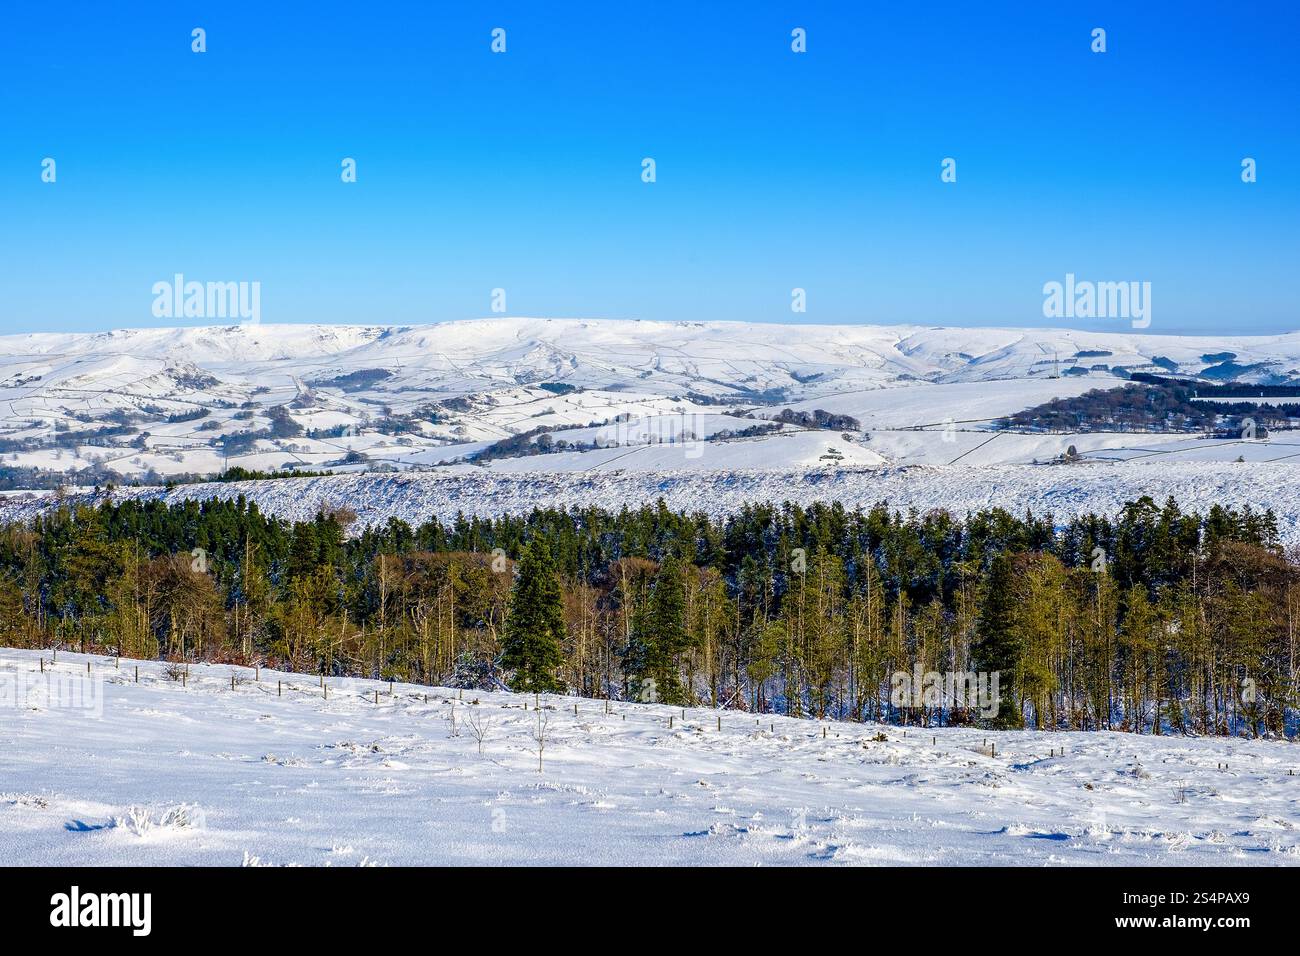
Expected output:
(1060, 490)
(203, 774)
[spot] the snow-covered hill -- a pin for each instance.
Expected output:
(194, 400)
(270, 772)
(1063, 491)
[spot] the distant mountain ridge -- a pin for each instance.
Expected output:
(930, 352)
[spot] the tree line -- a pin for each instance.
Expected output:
(1151, 620)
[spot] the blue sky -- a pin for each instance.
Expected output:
(775, 170)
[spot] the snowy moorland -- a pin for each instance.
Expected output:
(504, 415)
(1063, 491)
(193, 401)
(159, 773)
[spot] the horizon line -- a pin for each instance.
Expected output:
(231, 326)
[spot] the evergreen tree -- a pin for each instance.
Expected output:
(997, 643)
(660, 637)
(534, 627)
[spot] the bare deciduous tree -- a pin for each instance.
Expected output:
(541, 733)
(479, 725)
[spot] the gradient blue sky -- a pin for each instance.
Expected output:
(775, 170)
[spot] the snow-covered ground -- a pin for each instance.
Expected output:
(203, 774)
(1063, 490)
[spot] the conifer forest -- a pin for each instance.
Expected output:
(1152, 621)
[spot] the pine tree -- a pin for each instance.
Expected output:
(659, 637)
(534, 627)
(997, 644)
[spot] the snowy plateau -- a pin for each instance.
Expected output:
(275, 771)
